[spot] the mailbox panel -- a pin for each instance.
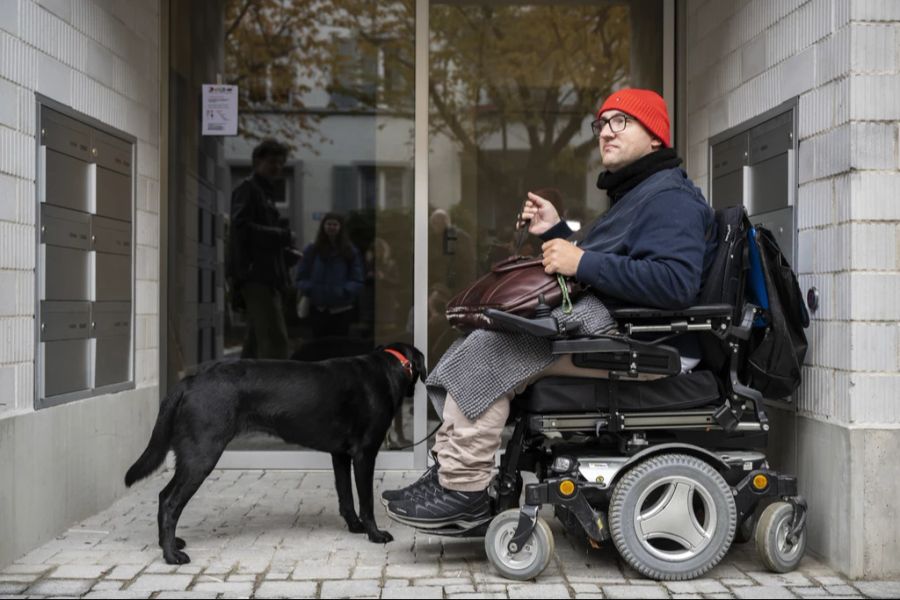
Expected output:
(65, 135)
(770, 180)
(113, 278)
(65, 321)
(114, 194)
(68, 181)
(112, 328)
(112, 153)
(111, 236)
(65, 337)
(66, 366)
(67, 274)
(65, 228)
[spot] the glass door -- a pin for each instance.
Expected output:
(326, 136)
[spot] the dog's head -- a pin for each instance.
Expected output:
(416, 360)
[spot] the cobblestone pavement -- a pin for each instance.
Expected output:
(277, 534)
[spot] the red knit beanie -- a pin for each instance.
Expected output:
(646, 106)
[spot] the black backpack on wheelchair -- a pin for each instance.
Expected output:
(669, 466)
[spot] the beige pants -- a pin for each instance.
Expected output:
(465, 449)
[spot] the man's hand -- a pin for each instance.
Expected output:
(561, 256)
(540, 215)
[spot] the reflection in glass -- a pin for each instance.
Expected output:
(332, 81)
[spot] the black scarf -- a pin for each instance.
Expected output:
(627, 178)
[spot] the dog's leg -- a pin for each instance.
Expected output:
(364, 471)
(189, 476)
(341, 464)
(179, 543)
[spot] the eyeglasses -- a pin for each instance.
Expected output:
(617, 124)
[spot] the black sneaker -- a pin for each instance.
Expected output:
(419, 486)
(441, 507)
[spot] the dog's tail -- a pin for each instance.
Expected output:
(158, 445)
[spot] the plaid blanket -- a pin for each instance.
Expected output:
(484, 365)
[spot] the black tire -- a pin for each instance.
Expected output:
(531, 560)
(772, 545)
(687, 517)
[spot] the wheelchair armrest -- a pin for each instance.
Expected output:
(546, 327)
(708, 311)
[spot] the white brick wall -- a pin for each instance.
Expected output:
(102, 59)
(842, 58)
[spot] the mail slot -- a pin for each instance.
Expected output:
(113, 278)
(112, 328)
(67, 273)
(65, 228)
(65, 135)
(68, 181)
(112, 153)
(114, 192)
(111, 236)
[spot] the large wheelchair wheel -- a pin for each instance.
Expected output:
(531, 560)
(672, 517)
(772, 543)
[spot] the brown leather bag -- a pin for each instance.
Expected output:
(512, 285)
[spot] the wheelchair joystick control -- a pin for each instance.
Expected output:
(543, 309)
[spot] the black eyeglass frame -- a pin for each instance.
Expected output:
(599, 123)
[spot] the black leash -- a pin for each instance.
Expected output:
(433, 431)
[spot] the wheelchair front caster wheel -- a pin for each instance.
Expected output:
(777, 552)
(531, 560)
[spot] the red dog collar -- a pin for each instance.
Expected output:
(407, 366)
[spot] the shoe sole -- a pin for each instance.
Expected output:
(464, 524)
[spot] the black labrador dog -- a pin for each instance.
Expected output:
(343, 406)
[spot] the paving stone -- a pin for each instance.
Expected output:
(78, 572)
(11, 588)
(538, 590)
(879, 589)
(412, 592)
(353, 588)
(240, 588)
(287, 589)
(696, 586)
(114, 595)
(635, 591)
(124, 572)
(763, 591)
(60, 587)
(161, 583)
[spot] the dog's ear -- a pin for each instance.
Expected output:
(418, 361)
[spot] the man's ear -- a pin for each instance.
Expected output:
(656, 144)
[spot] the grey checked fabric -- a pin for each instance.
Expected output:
(484, 365)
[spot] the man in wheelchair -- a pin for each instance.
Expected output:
(615, 422)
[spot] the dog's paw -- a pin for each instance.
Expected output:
(380, 537)
(356, 527)
(176, 557)
(180, 543)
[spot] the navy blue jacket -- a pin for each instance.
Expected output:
(330, 280)
(652, 247)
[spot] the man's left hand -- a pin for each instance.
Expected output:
(561, 256)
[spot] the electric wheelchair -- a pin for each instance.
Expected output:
(667, 465)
